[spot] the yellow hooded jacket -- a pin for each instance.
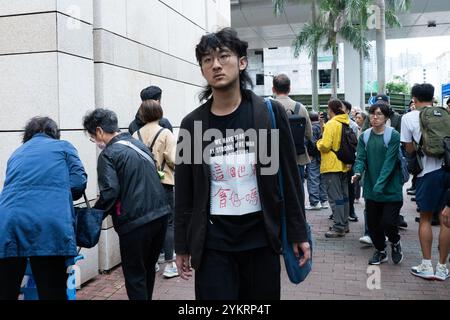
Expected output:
(331, 141)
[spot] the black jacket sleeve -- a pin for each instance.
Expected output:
(295, 215)
(108, 183)
(166, 124)
(184, 190)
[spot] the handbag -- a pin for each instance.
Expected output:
(88, 225)
(295, 273)
(414, 162)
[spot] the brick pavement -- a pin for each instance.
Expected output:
(339, 271)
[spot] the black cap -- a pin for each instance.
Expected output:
(382, 98)
(151, 93)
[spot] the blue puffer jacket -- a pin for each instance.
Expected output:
(37, 218)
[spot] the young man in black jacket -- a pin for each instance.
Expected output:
(131, 192)
(227, 209)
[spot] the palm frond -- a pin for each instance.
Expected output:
(392, 19)
(278, 7)
(353, 35)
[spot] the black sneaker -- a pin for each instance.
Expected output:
(378, 258)
(411, 192)
(397, 253)
(401, 222)
(330, 217)
(353, 218)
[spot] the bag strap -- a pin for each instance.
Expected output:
(155, 138)
(88, 205)
(366, 136)
(139, 135)
(139, 151)
(387, 135)
(297, 108)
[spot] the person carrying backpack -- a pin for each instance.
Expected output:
(336, 160)
(423, 132)
(299, 121)
(378, 158)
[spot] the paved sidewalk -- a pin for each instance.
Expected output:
(339, 271)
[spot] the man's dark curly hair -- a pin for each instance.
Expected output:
(225, 38)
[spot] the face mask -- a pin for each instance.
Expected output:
(101, 145)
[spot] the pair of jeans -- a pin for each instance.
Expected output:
(337, 189)
(315, 183)
(168, 247)
(50, 275)
(139, 250)
(243, 275)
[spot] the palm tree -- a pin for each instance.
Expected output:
(335, 19)
(313, 47)
(388, 11)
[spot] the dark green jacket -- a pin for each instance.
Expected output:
(381, 168)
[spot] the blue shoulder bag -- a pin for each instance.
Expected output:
(295, 273)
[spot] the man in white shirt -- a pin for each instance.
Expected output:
(430, 189)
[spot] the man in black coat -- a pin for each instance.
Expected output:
(227, 208)
(131, 192)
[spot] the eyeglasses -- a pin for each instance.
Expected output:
(208, 61)
(377, 114)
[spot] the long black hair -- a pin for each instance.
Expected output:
(227, 37)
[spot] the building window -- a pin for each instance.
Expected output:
(325, 79)
(259, 79)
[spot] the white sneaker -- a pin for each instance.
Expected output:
(161, 258)
(325, 205)
(316, 207)
(423, 271)
(171, 270)
(156, 267)
(366, 240)
(442, 272)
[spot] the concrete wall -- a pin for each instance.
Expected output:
(61, 58)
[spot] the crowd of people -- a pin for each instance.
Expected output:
(209, 202)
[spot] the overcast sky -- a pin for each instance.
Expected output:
(429, 47)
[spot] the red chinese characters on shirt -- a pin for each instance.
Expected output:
(222, 194)
(252, 197)
(227, 197)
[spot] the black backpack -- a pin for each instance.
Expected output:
(347, 149)
(298, 127)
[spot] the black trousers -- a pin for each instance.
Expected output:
(382, 218)
(50, 274)
(245, 275)
(139, 250)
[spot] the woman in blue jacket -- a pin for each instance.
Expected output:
(37, 218)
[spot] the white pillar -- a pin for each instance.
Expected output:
(351, 74)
